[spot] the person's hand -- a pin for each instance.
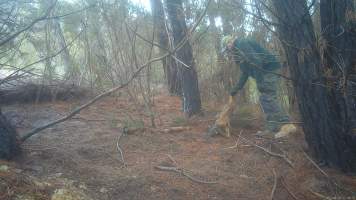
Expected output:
(233, 93)
(232, 101)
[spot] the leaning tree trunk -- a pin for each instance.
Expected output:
(169, 64)
(325, 132)
(187, 72)
(8, 143)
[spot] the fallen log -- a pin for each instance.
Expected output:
(31, 92)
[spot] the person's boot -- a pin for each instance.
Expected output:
(286, 130)
(267, 134)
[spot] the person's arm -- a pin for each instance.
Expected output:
(240, 84)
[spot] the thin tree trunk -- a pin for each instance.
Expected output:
(187, 72)
(67, 60)
(325, 132)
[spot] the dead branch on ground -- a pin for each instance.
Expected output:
(288, 190)
(120, 150)
(319, 195)
(315, 165)
(283, 156)
(330, 179)
(182, 171)
(274, 185)
(236, 143)
(176, 129)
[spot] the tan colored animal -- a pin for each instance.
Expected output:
(286, 130)
(222, 124)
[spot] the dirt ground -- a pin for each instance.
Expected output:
(83, 151)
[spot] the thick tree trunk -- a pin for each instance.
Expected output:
(338, 57)
(8, 143)
(325, 133)
(187, 72)
(169, 64)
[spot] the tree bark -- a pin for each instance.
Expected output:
(8, 143)
(187, 73)
(325, 133)
(338, 57)
(169, 64)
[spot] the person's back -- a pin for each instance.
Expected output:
(253, 58)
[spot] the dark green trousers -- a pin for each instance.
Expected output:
(275, 115)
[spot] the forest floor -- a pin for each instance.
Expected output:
(82, 153)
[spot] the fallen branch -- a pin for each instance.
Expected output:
(330, 179)
(176, 129)
(316, 165)
(182, 171)
(236, 143)
(319, 195)
(274, 185)
(120, 150)
(283, 156)
(286, 187)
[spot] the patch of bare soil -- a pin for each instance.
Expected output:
(83, 151)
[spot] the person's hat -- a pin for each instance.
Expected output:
(225, 41)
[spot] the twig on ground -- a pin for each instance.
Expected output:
(286, 187)
(197, 180)
(315, 165)
(319, 195)
(326, 175)
(120, 150)
(283, 156)
(274, 185)
(94, 120)
(176, 129)
(172, 159)
(182, 171)
(237, 142)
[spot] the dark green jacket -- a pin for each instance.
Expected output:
(254, 61)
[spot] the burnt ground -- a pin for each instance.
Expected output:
(83, 150)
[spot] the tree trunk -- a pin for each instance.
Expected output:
(169, 64)
(67, 60)
(187, 73)
(338, 58)
(325, 133)
(8, 143)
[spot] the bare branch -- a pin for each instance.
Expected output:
(41, 60)
(44, 17)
